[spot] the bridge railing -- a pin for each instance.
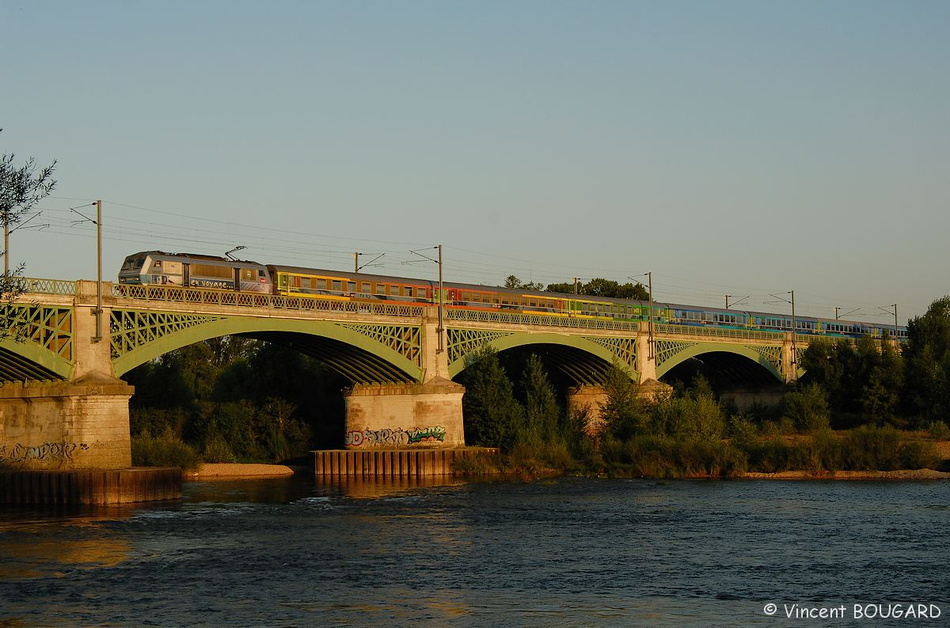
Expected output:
(717, 332)
(517, 318)
(48, 286)
(206, 296)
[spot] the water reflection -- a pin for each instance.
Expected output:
(40, 542)
(363, 488)
(287, 489)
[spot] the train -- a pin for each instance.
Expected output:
(224, 273)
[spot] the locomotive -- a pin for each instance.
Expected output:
(222, 273)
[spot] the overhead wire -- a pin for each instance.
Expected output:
(296, 247)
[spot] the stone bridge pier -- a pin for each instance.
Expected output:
(426, 414)
(66, 440)
(79, 423)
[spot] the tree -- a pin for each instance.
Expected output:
(600, 287)
(492, 414)
(21, 188)
(512, 282)
(542, 414)
(623, 412)
(883, 380)
(927, 362)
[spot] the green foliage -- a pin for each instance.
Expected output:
(624, 414)
(741, 430)
(871, 448)
(927, 361)
(21, 188)
(807, 408)
(883, 379)
(514, 283)
(493, 416)
(236, 399)
(694, 414)
(601, 287)
(665, 456)
(542, 414)
(150, 451)
(939, 430)
(863, 380)
(217, 449)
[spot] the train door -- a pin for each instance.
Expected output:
(185, 274)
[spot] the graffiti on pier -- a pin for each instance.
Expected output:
(395, 437)
(47, 452)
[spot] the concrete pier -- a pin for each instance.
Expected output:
(391, 463)
(90, 486)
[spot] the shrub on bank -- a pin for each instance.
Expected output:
(149, 451)
(669, 457)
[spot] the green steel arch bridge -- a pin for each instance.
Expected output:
(61, 377)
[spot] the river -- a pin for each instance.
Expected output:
(560, 552)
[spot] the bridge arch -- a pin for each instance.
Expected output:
(351, 350)
(582, 359)
(28, 360)
(689, 351)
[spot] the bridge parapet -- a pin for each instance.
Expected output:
(49, 286)
(224, 298)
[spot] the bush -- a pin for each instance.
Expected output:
(939, 430)
(217, 449)
(919, 455)
(742, 430)
(807, 408)
(148, 451)
(663, 457)
(870, 448)
(696, 417)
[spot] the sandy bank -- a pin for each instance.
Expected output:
(907, 474)
(222, 470)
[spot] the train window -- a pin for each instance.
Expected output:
(337, 285)
(394, 289)
(364, 286)
(133, 263)
(321, 284)
(380, 288)
(351, 286)
(408, 291)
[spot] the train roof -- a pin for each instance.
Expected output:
(195, 256)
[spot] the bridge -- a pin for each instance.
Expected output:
(64, 405)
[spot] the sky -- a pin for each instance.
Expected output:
(733, 147)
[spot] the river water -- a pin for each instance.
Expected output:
(562, 552)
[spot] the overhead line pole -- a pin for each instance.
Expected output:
(98, 336)
(98, 222)
(440, 329)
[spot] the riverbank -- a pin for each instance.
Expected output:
(903, 474)
(227, 470)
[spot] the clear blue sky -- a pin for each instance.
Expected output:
(739, 147)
